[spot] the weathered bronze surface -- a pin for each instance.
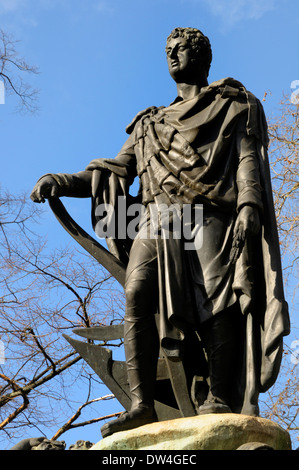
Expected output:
(220, 302)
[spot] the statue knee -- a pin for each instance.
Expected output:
(134, 295)
(140, 300)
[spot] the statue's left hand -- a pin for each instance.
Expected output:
(247, 224)
(248, 221)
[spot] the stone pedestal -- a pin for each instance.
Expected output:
(206, 432)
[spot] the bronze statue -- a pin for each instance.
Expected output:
(206, 149)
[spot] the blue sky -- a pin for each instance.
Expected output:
(101, 62)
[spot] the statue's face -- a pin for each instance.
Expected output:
(179, 58)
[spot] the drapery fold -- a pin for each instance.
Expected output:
(191, 153)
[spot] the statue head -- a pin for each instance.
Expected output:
(198, 43)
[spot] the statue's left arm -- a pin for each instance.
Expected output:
(249, 200)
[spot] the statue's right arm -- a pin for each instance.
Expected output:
(61, 184)
(80, 184)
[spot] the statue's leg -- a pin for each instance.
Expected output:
(219, 336)
(140, 337)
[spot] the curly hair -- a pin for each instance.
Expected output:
(198, 42)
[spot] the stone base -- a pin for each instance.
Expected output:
(207, 432)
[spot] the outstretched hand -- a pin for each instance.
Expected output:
(247, 224)
(46, 187)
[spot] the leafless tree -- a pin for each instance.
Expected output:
(12, 70)
(284, 157)
(44, 294)
(282, 402)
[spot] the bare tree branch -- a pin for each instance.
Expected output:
(43, 294)
(12, 69)
(70, 424)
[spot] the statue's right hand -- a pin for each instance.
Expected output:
(46, 187)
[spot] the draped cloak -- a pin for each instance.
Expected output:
(189, 153)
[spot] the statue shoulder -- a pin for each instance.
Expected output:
(230, 87)
(148, 111)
